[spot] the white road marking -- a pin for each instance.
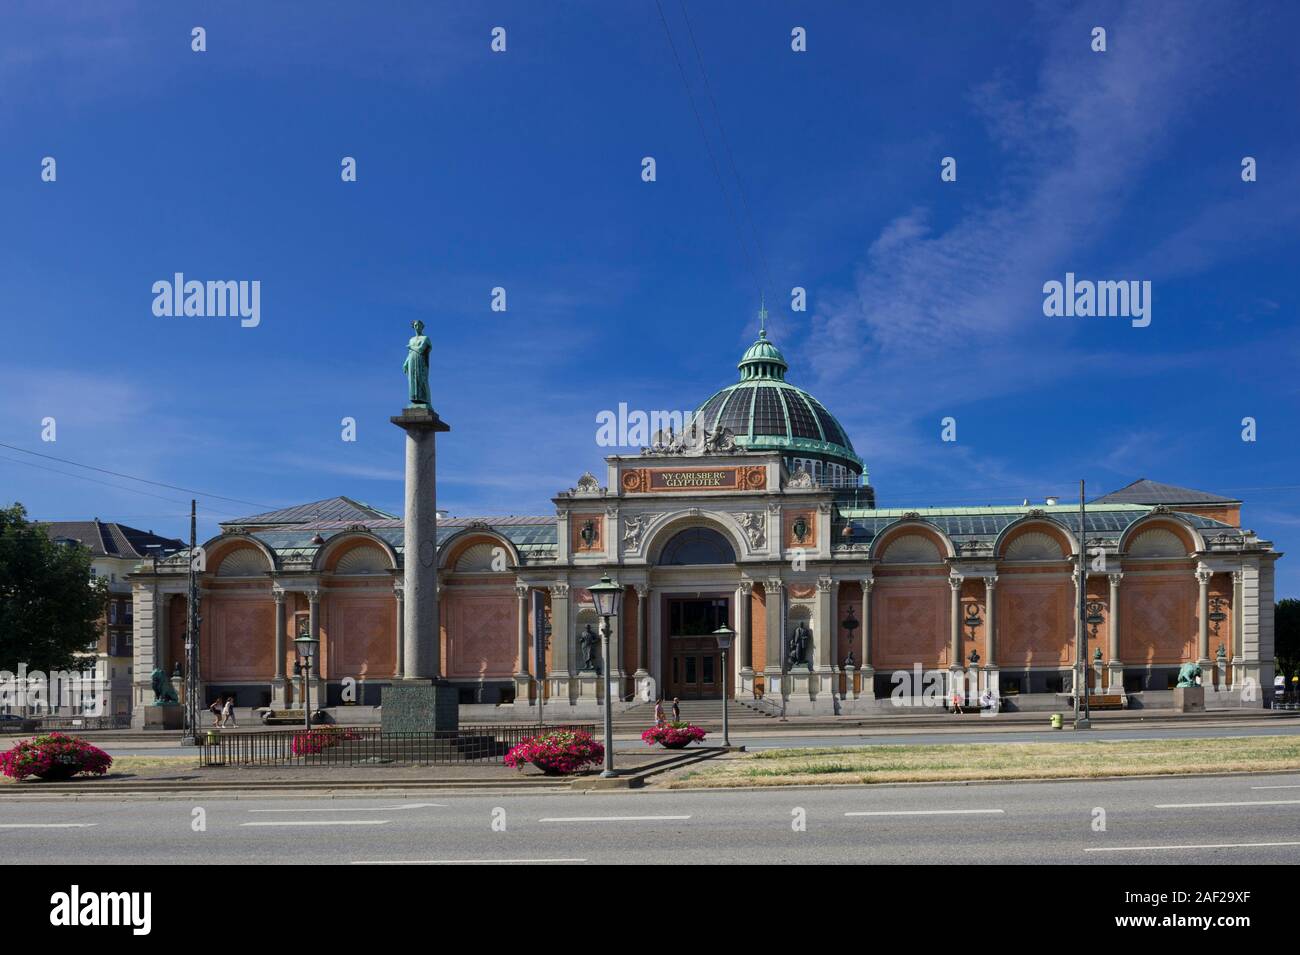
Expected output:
(414, 805)
(930, 812)
(1276, 787)
(321, 822)
(609, 818)
(1218, 805)
(1219, 845)
(47, 825)
(467, 861)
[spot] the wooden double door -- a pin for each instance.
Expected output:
(694, 670)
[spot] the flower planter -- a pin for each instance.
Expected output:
(54, 757)
(674, 735)
(557, 753)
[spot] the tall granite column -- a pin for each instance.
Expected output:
(420, 702)
(422, 650)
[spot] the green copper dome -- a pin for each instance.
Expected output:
(767, 413)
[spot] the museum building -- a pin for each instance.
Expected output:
(761, 517)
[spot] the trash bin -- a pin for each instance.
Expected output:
(1056, 721)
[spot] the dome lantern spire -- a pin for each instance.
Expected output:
(762, 359)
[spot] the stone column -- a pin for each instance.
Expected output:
(825, 632)
(642, 631)
(991, 669)
(774, 591)
(522, 678)
(313, 627)
(280, 682)
(561, 635)
(1203, 624)
(1235, 680)
(744, 644)
(398, 622)
(1115, 681)
(954, 634)
(422, 656)
(868, 671)
(162, 634)
(991, 622)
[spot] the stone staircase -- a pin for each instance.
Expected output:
(705, 713)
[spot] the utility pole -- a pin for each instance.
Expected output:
(192, 641)
(1081, 613)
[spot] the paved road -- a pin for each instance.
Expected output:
(756, 740)
(1243, 819)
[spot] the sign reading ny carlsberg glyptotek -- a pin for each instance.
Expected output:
(652, 480)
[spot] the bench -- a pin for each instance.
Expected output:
(270, 716)
(1105, 701)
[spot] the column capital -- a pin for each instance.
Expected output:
(521, 589)
(1238, 575)
(1115, 579)
(868, 583)
(746, 586)
(399, 590)
(1203, 575)
(824, 584)
(277, 594)
(313, 595)
(642, 591)
(773, 585)
(955, 581)
(990, 581)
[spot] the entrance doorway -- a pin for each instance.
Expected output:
(694, 661)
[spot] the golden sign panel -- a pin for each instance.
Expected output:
(651, 480)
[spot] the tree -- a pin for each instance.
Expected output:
(50, 606)
(1286, 636)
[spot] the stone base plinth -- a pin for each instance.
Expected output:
(588, 687)
(418, 706)
(1189, 699)
(164, 716)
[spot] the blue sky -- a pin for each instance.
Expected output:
(522, 170)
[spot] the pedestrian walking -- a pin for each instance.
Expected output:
(215, 710)
(677, 710)
(659, 712)
(228, 712)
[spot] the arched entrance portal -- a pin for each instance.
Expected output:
(692, 661)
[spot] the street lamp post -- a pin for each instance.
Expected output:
(608, 596)
(724, 635)
(306, 646)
